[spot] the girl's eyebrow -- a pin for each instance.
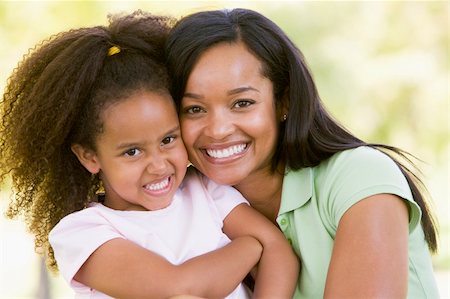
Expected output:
(126, 145)
(230, 92)
(173, 130)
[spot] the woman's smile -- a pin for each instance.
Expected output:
(226, 152)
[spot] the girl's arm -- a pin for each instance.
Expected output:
(370, 254)
(122, 269)
(278, 267)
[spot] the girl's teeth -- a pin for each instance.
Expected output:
(225, 153)
(158, 186)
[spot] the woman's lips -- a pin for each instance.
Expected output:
(226, 152)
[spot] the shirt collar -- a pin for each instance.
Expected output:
(297, 189)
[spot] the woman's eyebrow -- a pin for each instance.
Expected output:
(230, 92)
(192, 95)
(241, 89)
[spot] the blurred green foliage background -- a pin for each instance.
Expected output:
(382, 68)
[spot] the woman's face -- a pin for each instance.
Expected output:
(228, 116)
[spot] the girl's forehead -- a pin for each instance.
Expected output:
(145, 115)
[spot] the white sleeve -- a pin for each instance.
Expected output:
(76, 237)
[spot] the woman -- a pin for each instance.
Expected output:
(251, 117)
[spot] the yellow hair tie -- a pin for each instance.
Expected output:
(113, 50)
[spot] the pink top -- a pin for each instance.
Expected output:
(190, 226)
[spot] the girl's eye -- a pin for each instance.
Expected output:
(193, 110)
(167, 140)
(132, 152)
(243, 103)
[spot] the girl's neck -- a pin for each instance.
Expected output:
(263, 191)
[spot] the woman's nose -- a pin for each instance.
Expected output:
(219, 126)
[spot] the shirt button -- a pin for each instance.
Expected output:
(283, 221)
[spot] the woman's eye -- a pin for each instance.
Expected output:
(132, 152)
(193, 110)
(243, 103)
(167, 140)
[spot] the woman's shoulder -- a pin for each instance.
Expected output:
(360, 159)
(364, 155)
(353, 165)
(361, 172)
(363, 166)
(363, 160)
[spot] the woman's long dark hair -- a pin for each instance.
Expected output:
(310, 135)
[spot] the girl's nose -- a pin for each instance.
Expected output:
(157, 163)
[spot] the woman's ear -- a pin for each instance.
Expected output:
(87, 158)
(283, 106)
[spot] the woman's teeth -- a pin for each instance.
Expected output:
(227, 152)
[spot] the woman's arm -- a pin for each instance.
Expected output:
(370, 254)
(278, 267)
(122, 269)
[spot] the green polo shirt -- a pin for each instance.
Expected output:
(314, 200)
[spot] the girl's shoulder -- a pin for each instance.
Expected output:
(94, 214)
(199, 187)
(196, 179)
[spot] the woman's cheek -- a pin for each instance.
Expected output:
(188, 133)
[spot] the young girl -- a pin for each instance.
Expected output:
(88, 111)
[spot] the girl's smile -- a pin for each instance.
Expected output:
(161, 187)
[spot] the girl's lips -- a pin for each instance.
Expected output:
(159, 187)
(225, 154)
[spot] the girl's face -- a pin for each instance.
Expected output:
(228, 116)
(140, 153)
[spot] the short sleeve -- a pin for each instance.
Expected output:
(355, 174)
(226, 198)
(76, 237)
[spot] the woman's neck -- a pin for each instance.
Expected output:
(263, 191)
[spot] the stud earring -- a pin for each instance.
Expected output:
(284, 117)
